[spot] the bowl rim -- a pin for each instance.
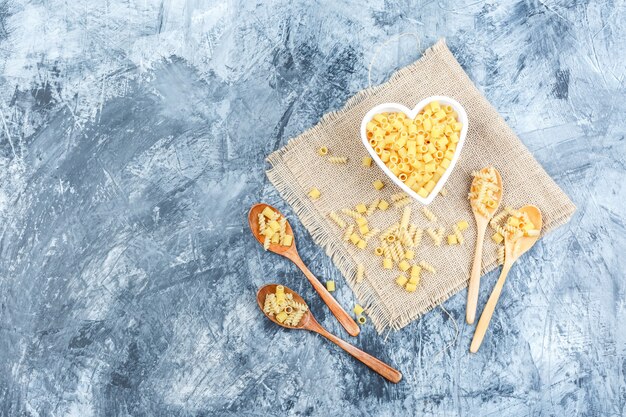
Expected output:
(386, 107)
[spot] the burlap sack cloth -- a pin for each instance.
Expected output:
(296, 168)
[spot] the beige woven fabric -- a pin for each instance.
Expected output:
(296, 168)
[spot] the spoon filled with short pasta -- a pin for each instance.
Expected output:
(485, 195)
(274, 232)
(286, 308)
(520, 230)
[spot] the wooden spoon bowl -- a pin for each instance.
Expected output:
(308, 322)
(291, 253)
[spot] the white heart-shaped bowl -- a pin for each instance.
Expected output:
(395, 107)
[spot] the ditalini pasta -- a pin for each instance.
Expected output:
(418, 151)
(282, 305)
(367, 161)
(273, 227)
(483, 193)
(338, 159)
(323, 151)
(314, 193)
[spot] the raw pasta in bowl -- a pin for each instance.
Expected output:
(417, 149)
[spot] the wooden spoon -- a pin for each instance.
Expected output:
(481, 226)
(308, 322)
(509, 257)
(291, 253)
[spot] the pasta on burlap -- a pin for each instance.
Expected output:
(297, 167)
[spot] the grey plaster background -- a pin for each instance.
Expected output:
(132, 142)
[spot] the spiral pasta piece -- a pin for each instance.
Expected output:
(338, 220)
(338, 159)
(351, 213)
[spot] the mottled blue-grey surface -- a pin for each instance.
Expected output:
(132, 142)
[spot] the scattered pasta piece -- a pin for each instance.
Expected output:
(462, 225)
(351, 213)
(429, 214)
(403, 202)
(322, 151)
(435, 236)
(501, 255)
(338, 160)
(378, 184)
(418, 237)
(314, 194)
(416, 270)
(362, 320)
(428, 267)
(398, 196)
(358, 310)
(458, 234)
(349, 231)
(402, 280)
(404, 265)
(497, 237)
(372, 207)
(360, 272)
(370, 234)
(379, 251)
(387, 263)
(409, 254)
(406, 217)
(330, 286)
(452, 240)
(443, 192)
(338, 220)
(410, 287)
(367, 161)
(383, 205)
(361, 208)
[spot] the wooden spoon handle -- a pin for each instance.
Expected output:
(474, 282)
(485, 317)
(344, 318)
(374, 364)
